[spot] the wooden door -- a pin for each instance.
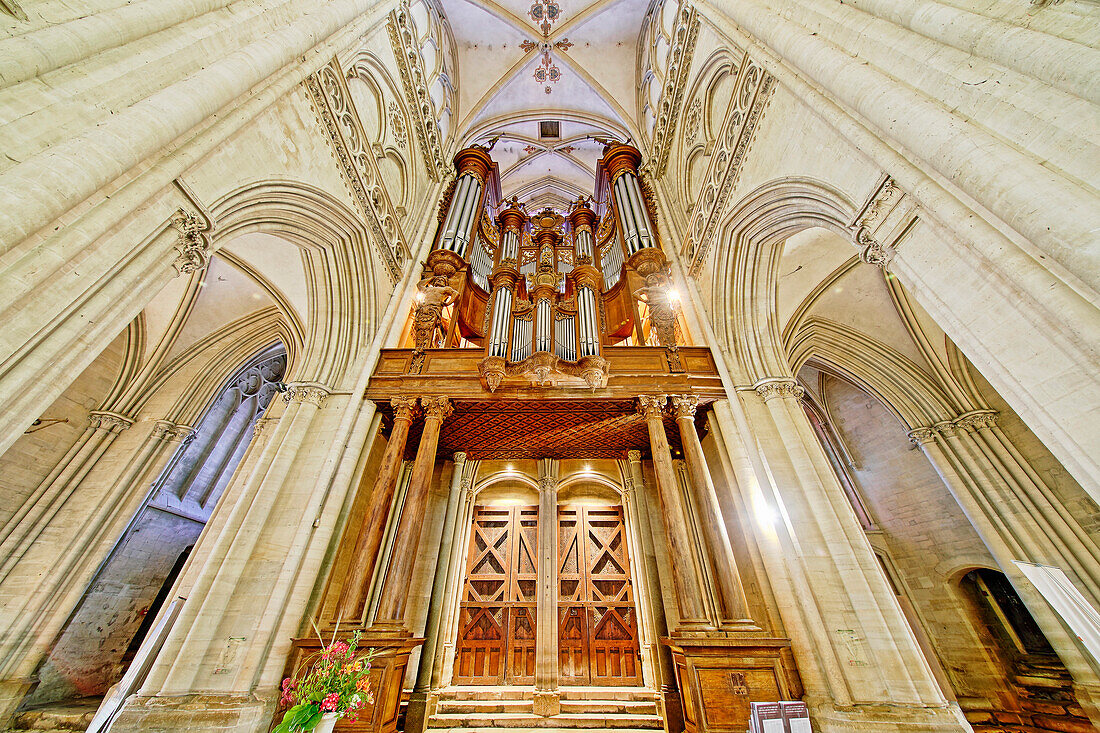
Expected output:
(597, 621)
(496, 629)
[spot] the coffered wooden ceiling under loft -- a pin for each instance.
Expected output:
(522, 62)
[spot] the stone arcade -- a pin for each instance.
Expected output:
(606, 365)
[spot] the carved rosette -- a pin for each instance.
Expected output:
(112, 422)
(436, 408)
(305, 392)
(685, 405)
(192, 242)
(652, 407)
(784, 388)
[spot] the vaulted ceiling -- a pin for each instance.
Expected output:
(522, 62)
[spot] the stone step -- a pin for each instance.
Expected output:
(572, 721)
(66, 718)
(511, 692)
(579, 707)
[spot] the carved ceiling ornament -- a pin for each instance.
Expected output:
(883, 221)
(397, 125)
(750, 97)
(332, 102)
(192, 242)
(410, 62)
(682, 48)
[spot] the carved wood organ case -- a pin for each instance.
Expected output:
(543, 293)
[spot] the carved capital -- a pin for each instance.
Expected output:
(651, 406)
(109, 421)
(921, 436)
(459, 457)
(404, 408)
(170, 432)
(634, 456)
(437, 408)
(192, 242)
(685, 405)
(314, 394)
(548, 483)
(778, 387)
(977, 420)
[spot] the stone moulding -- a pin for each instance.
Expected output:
(331, 100)
(541, 368)
(680, 54)
(415, 81)
(751, 93)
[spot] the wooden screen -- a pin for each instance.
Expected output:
(597, 622)
(496, 629)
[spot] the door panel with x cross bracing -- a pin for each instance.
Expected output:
(496, 628)
(597, 621)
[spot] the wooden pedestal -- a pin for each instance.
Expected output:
(719, 676)
(391, 659)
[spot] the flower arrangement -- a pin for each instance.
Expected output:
(336, 686)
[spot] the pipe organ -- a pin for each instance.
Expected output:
(544, 293)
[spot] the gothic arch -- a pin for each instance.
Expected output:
(744, 280)
(898, 383)
(338, 262)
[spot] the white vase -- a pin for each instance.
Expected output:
(328, 722)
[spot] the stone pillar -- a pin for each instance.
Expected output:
(369, 539)
(420, 703)
(1017, 519)
(668, 696)
(395, 588)
(858, 660)
(547, 700)
(689, 596)
(733, 608)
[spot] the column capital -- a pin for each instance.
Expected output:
(260, 426)
(437, 407)
(311, 392)
(634, 456)
(109, 421)
(977, 420)
(771, 387)
(459, 457)
(548, 483)
(403, 407)
(652, 406)
(685, 405)
(921, 436)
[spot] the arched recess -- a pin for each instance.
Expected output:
(745, 275)
(338, 260)
(704, 109)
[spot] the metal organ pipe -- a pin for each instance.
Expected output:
(447, 240)
(542, 325)
(637, 206)
(502, 317)
(586, 310)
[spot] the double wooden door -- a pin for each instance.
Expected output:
(496, 621)
(597, 622)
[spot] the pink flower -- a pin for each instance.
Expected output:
(337, 649)
(330, 702)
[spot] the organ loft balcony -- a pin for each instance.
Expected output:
(546, 304)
